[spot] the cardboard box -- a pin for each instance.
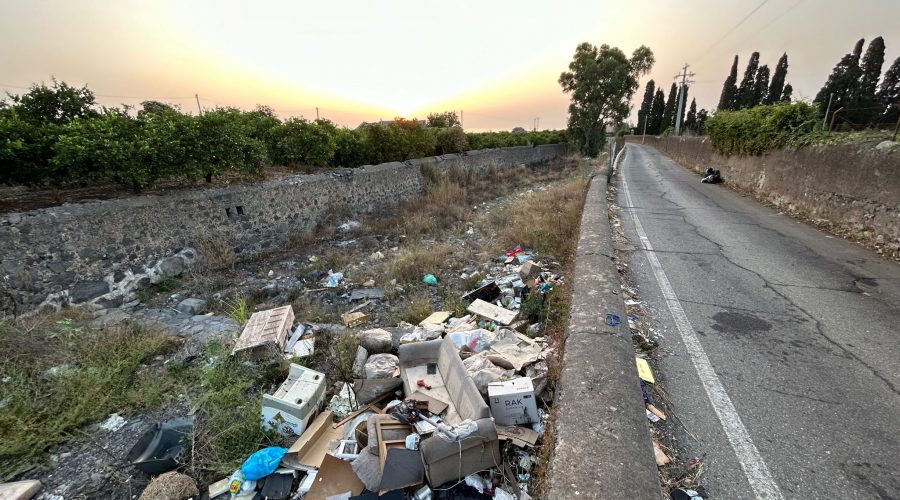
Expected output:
(512, 402)
(310, 449)
(291, 407)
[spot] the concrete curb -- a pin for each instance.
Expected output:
(603, 447)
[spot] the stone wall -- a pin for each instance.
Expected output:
(100, 252)
(853, 189)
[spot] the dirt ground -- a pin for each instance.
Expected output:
(458, 232)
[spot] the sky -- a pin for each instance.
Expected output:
(498, 62)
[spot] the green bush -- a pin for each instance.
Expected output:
(759, 129)
(54, 135)
(300, 142)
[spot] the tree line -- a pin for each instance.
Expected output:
(852, 87)
(658, 114)
(58, 135)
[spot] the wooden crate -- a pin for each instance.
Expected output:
(269, 327)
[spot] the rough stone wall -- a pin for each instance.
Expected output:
(853, 188)
(101, 251)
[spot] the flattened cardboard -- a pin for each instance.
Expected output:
(523, 437)
(334, 477)
(435, 406)
(494, 313)
(310, 448)
(436, 318)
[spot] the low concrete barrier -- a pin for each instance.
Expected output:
(603, 447)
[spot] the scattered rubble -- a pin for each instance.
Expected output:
(435, 372)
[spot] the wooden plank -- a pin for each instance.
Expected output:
(494, 313)
(436, 318)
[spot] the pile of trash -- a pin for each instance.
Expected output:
(449, 408)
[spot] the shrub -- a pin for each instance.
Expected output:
(301, 142)
(759, 129)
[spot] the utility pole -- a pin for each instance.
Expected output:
(684, 83)
(199, 109)
(827, 109)
(644, 135)
(461, 122)
(538, 124)
(317, 113)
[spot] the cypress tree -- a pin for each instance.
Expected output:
(864, 96)
(669, 111)
(646, 104)
(786, 93)
(728, 98)
(702, 115)
(690, 121)
(656, 112)
(842, 82)
(776, 87)
(889, 93)
(747, 88)
(760, 86)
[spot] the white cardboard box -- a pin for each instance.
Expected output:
(291, 407)
(512, 402)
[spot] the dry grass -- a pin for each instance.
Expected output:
(308, 307)
(94, 372)
(547, 222)
(411, 264)
(215, 253)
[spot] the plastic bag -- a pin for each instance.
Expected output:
(430, 280)
(262, 463)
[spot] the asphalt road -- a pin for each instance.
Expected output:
(782, 343)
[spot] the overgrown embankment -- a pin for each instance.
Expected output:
(851, 189)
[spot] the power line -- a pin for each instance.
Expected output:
(776, 18)
(736, 26)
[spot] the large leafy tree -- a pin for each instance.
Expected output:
(57, 103)
(646, 104)
(776, 86)
(747, 90)
(668, 118)
(864, 106)
(601, 81)
(445, 119)
(889, 93)
(728, 98)
(842, 82)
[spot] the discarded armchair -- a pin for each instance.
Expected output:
(438, 364)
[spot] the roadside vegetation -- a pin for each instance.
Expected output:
(59, 375)
(58, 135)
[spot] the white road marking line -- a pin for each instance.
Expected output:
(748, 456)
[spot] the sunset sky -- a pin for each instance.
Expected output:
(498, 61)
